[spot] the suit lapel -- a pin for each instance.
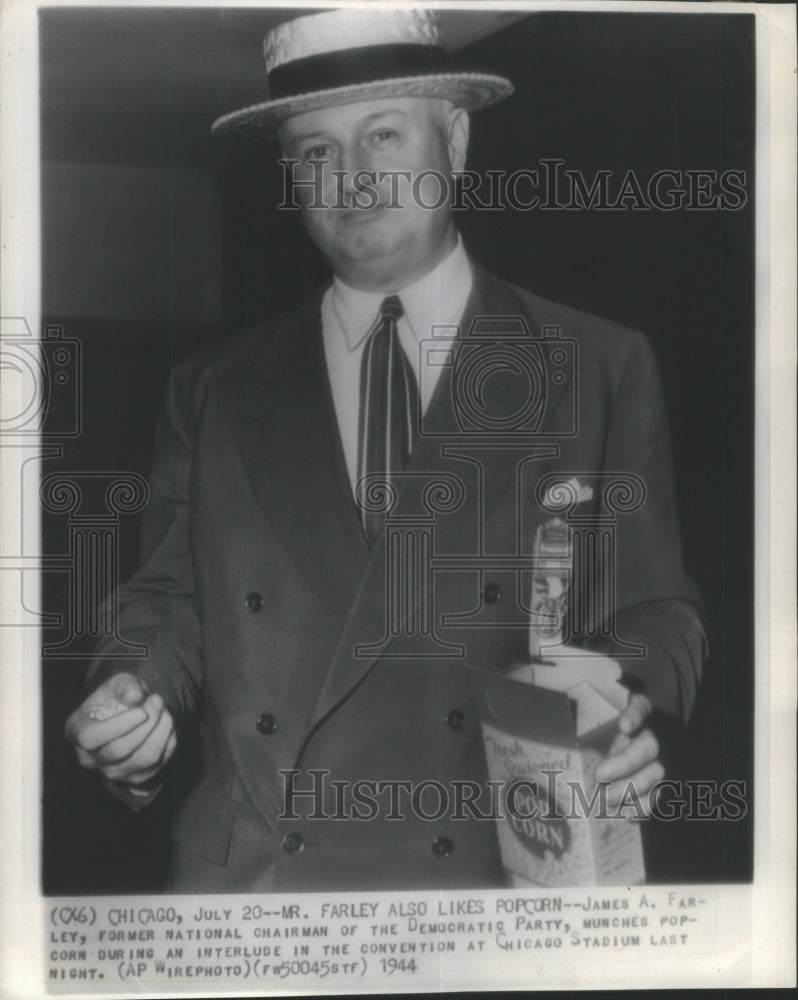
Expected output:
(489, 298)
(286, 430)
(499, 451)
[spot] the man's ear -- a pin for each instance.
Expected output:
(457, 138)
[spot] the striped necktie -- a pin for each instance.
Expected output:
(388, 409)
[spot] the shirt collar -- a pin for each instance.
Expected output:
(436, 299)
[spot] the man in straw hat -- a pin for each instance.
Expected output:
(342, 498)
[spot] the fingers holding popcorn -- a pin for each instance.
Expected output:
(122, 730)
(149, 756)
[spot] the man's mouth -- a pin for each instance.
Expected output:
(360, 215)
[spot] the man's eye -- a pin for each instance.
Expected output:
(384, 135)
(317, 153)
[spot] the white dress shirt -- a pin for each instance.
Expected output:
(433, 308)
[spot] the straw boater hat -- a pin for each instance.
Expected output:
(351, 54)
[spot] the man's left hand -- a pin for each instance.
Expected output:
(633, 760)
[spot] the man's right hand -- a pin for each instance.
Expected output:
(123, 731)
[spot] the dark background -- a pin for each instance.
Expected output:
(158, 240)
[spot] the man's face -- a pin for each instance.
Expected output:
(369, 244)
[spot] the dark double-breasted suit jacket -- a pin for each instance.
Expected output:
(288, 646)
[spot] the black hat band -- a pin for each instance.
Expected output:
(351, 67)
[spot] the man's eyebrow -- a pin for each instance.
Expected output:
(319, 133)
(301, 137)
(381, 114)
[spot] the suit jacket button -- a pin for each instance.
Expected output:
(293, 843)
(455, 720)
(492, 593)
(253, 601)
(442, 847)
(266, 724)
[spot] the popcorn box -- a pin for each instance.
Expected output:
(542, 748)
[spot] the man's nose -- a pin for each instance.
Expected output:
(356, 168)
